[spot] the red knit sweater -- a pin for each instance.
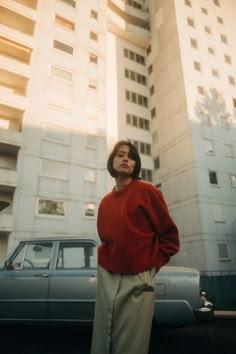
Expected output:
(136, 229)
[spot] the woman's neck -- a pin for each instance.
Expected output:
(121, 182)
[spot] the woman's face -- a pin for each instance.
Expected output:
(122, 163)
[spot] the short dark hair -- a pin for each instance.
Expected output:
(133, 154)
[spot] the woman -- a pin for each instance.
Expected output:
(138, 236)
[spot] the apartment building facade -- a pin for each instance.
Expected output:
(78, 75)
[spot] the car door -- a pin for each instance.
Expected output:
(24, 282)
(73, 281)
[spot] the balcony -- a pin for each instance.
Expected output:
(10, 140)
(32, 4)
(8, 179)
(123, 5)
(11, 119)
(16, 36)
(13, 88)
(6, 223)
(132, 28)
(15, 20)
(15, 50)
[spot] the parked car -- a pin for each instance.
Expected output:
(54, 280)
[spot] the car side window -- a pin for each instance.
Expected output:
(33, 256)
(77, 255)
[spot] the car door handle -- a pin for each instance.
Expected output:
(42, 275)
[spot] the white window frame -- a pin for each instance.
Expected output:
(90, 175)
(46, 129)
(232, 180)
(224, 243)
(209, 147)
(229, 151)
(218, 213)
(54, 176)
(89, 206)
(213, 184)
(61, 78)
(45, 215)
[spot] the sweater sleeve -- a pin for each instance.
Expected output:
(167, 241)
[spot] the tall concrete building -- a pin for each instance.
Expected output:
(75, 76)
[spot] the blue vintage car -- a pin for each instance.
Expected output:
(54, 280)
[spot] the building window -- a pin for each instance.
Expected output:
(134, 4)
(188, 3)
(197, 66)
(63, 22)
(136, 121)
(190, 22)
(90, 175)
(71, 3)
(136, 98)
(94, 14)
(61, 74)
(150, 69)
(152, 90)
(231, 80)
(148, 50)
(157, 163)
(146, 174)
(145, 148)
(134, 56)
(213, 177)
(91, 141)
(229, 151)
(215, 73)
(92, 84)
(134, 76)
(223, 251)
(223, 38)
(142, 147)
(216, 2)
(204, 11)
(153, 111)
(209, 147)
(227, 59)
(51, 207)
(93, 58)
(204, 115)
(211, 50)
(234, 102)
(93, 36)
(200, 90)
(232, 181)
(219, 96)
(89, 209)
(57, 134)
(63, 47)
(193, 43)
(54, 169)
(218, 214)
(224, 121)
(207, 29)
(220, 20)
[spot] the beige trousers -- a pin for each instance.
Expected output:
(123, 312)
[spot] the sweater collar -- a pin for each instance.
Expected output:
(124, 189)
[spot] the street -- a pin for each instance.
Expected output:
(216, 337)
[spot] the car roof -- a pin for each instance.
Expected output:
(60, 238)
